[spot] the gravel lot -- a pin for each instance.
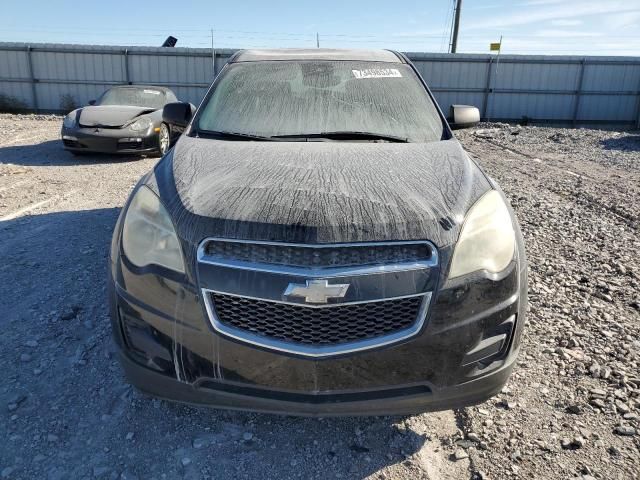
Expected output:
(571, 409)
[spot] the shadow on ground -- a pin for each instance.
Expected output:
(73, 416)
(51, 152)
(629, 143)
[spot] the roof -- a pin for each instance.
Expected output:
(257, 55)
(154, 87)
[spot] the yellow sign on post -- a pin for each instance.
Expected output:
(495, 47)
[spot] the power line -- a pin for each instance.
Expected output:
(447, 22)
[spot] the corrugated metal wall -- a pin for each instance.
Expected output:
(542, 88)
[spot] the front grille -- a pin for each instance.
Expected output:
(329, 256)
(316, 326)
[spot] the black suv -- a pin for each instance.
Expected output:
(317, 242)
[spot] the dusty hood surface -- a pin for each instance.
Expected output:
(318, 192)
(110, 115)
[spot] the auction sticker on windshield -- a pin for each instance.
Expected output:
(377, 73)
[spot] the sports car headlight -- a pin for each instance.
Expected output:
(487, 240)
(69, 120)
(140, 125)
(148, 235)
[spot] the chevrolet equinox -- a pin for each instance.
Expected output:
(317, 242)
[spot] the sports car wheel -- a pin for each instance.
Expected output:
(164, 139)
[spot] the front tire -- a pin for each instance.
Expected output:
(164, 139)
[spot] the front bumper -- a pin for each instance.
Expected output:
(109, 140)
(402, 400)
(169, 349)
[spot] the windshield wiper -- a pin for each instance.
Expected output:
(347, 135)
(232, 135)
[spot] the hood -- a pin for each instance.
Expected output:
(318, 192)
(109, 115)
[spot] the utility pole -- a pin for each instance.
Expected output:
(456, 27)
(317, 40)
(213, 55)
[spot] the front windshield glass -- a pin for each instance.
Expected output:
(139, 97)
(283, 98)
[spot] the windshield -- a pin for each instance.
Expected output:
(139, 97)
(295, 98)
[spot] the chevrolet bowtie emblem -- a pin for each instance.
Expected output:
(316, 291)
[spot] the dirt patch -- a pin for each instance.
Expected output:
(570, 409)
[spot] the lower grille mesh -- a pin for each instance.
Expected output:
(317, 326)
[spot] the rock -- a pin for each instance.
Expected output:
(25, 357)
(474, 437)
(622, 407)
(206, 440)
(71, 313)
(31, 343)
(129, 436)
(460, 454)
(574, 409)
(128, 475)
(578, 442)
(624, 430)
(15, 401)
(185, 461)
(100, 472)
(359, 448)
(57, 473)
(52, 438)
(6, 472)
(246, 436)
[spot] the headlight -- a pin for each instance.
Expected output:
(69, 120)
(487, 240)
(140, 125)
(148, 236)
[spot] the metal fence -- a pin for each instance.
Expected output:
(542, 89)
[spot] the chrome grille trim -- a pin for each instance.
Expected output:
(324, 272)
(320, 351)
(368, 276)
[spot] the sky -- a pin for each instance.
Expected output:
(565, 27)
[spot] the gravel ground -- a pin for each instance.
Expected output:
(570, 409)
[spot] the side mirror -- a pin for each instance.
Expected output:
(177, 114)
(92, 102)
(464, 116)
